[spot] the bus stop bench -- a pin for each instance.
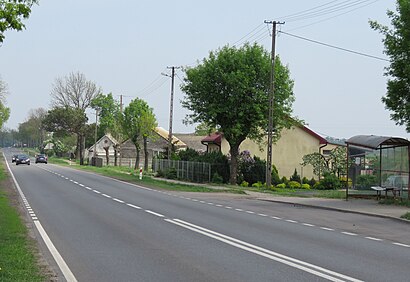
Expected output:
(395, 191)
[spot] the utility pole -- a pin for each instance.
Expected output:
(271, 103)
(171, 109)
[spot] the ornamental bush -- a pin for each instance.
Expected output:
(329, 182)
(305, 186)
(281, 186)
(293, 185)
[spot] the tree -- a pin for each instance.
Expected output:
(4, 111)
(148, 124)
(318, 161)
(204, 129)
(110, 118)
(77, 92)
(396, 47)
(62, 120)
(12, 13)
(229, 91)
(138, 119)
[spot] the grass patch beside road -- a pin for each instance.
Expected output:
(17, 260)
(406, 216)
(128, 175)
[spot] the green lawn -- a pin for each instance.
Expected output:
(17, 260)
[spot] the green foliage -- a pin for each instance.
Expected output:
(305, 186)
(257, 185)
(312, 182)
(366, 181)
(171, 173)
(396, 47)
(251, 169)
(317, 161)
(406, 216)
(244, 184)
(295, 177)
(204, 129)
(305, 180)
(284, 180)
(240, 77)
(275, 176)
(329, 182)
(281, 186)
(65, 119)
(109, 113)
(189, 155)
(294, 184)
(12, 13)
(216, 178)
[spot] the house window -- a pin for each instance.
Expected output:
(327, 152)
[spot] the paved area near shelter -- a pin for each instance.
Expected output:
(361, 206)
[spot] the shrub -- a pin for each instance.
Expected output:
(312, 182)
(329, 182)
(275, 176)
(305, 180)
(295, 176)
(257, 185)
(216, 178)
(244, 184)
(281, 186)
(305, 186)
(160, 173)
(250, 169)
(284, 180)
(293, 185)
(366, 181)
(171, 173)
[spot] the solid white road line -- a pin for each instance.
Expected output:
(307, 267)
(69, 276)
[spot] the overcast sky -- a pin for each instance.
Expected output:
(125, 45)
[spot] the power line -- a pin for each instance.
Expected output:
(335, 16)
(335, 47)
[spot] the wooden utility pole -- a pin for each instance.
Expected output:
(271, 103)
(171, 109)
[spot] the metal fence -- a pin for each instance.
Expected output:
(192, 171)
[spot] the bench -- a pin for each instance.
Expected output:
(394, 190)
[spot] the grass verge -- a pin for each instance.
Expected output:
(406, 216)
(17, 259)
(129, 175)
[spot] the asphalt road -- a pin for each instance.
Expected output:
(106, 230)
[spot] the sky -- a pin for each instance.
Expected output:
(124, 46)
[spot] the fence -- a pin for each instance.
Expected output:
(192, 171)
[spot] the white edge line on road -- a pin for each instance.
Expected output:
(69, 276)
(307, 267)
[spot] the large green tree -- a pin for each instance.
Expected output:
(110, 117)
(229, 91)
(397, 48)
(4, 111)
(63, 120)
(138, 121)
(12, 13)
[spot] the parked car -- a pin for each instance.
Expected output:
(41, 158)
(13, 158)
(22, 159)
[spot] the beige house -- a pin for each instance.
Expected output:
(127, 152)
(287, 152)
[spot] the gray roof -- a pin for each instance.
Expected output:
(374, 141)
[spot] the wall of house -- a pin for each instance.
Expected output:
(287, 153)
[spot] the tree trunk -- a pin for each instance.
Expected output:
(115, 154)
(137, 160)
(81, 150)
(234, 151)
(107, 156)
(145, 154)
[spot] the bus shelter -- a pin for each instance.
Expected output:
(387, 159)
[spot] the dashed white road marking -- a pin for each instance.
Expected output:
(401, 245)
(291, 221)
(107, 196)
(349, 233)
(275, 217)
(374, 239)
(154, 213)
(133, 206)
(328, 229)
(96, 191)
(118, 200)
(308, 224)
(240, 210)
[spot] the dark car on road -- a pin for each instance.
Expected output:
(41, 158)
(13, 158)
(22, 159)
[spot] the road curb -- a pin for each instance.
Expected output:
(336, 209)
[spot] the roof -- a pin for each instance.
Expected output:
(192, 141)
(374, 141)
(314, 134)
(215, 138)
(164, 134)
